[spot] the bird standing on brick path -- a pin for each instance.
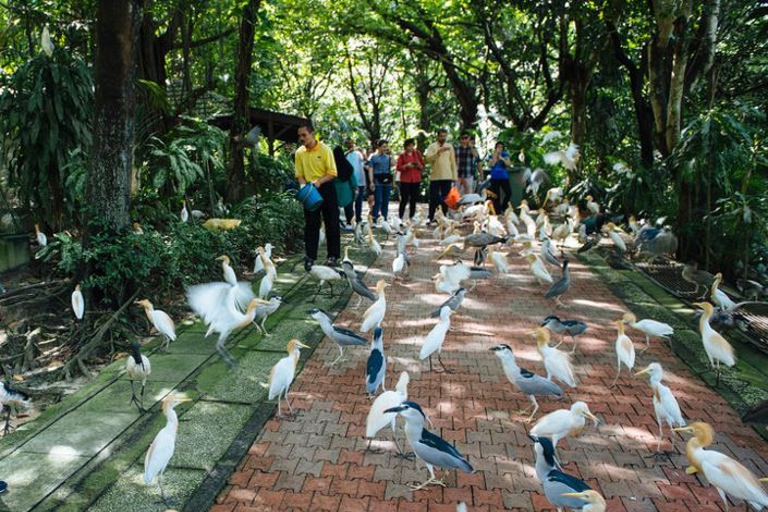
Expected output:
(564, 422)
(281, 375)
(664, 403)
(162, 448)
(160, 321)
(556, 484)
(453, 302)
(138, 368)
(376, 366)
(728, 476)
(561, 286)
(11, 398)
(625, 351)
(529, 383)
(375, 313)
(358, 285)
(78, 303)
(378, 419)
(717, 348)
(572, 327)
(431, 449)
(264, 311)
(538, 269)
(595, 501)
(341, 337)
(499, 261)
(648, 327)
(556, 362)
(434, 340)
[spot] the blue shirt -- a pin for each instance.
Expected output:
(381, 163)
(356, 159)
(499, 169)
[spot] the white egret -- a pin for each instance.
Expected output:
(377, 419)
(556, 362)
(717, 348)
(625, 351)
(375, 313)
(434, 340)
(162, 448)
(664, 402)
(651, 328)
(78, 303)
(160, 321)
(282, 374)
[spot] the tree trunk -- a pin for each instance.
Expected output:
(240, 117)
(108, 186)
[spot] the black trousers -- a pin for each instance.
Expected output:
(329, 213)
(438, 189)
(497, 185)
(409, 192)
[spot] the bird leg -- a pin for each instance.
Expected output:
(359, 301)
(647, 343)
(400, 452)
(573, 348)
(225, 354)
(432, 480)
(535, 408)
(7, 427)
(166, 343)
(616, 378)
(264, 327)
(441, 363)
(135, 400)
(341, 355)
(164, 499)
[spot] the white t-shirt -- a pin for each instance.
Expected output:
(356, 159)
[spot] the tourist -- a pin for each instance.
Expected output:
(315, 165)
(381, 163)
(466, 163)
(346, 185)
(355, 157)
(499, 163)
(442, 160)
(409, 165)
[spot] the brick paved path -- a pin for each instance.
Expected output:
(319, 462)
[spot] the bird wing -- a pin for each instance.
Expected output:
(377, 419)
(373, 367)
(725, 473)
(654, 327)
(532, 384)
(435, 450)
(164, 323)
(557, 483)
(243, 294)
(280, 377)
(559, 365)
(208, 300)
(356, 339)
(669, 406)
(159, 454)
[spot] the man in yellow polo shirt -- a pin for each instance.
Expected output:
(315, 165)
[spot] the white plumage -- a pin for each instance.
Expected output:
(717, 348)
(563, 422)
(499, 260)
(664, 402)
(78, 303)
(398, 264)
(375, 313)
(556, 362)
(434, 340)
(42, 239)
(265, 286)
(651, 328)
(227, 270)
(719, 297)
(162, 448)
(160, 321)
(538, 269)
(377, 418)
(625, 351)
(282, 374)
(266, 251)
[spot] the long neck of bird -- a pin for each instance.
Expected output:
(295, 354)
(172, 422)
(413, 428)
(325, 324)
(691, 452)
(704, 321)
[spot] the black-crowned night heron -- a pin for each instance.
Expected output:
(571, 327)
(453, 302)
(430, 448)
(376, 366)
(340, 336)
(558, 486)
(561, 286)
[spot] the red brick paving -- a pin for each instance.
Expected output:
(318, 461)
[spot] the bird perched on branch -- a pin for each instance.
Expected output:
(11, 398)
(282, 374)
(162, 448)
(431, 449)
(529, 383)
(138, 368)
(725, 474)
(664, 402)
(377, 419)
(341, 337)
(160, 321)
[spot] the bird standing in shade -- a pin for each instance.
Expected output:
(431, 449)
(184, 212)
(324, 275)
(453, 302)
(376, 366)
(625, 351)
(557, 363)
(78, 303)
(561, 286)
(138, 368)
(664, 403)
(648, 327)
(11, 398)
(572, 327)
(341, 337)
(162, 448)
(718, 350)
(564, 422)
(558, 487)
(264, 311)
(282, 374)
(538, 269)
(377, 419)
(160, 321)
(728, 476)
(375, 313)
(718, 296)
(42, 239)
(434, 340)
(529, 383)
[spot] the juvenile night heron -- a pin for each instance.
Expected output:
(453, 302)
(431, 449)
(558, 487)
(138, 368)
(664, 402)
(529, 383)
(341, 337)
(376, 366)
(571, 327)
(561, 286)
(728, 476)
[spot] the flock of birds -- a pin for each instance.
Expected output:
(230, 305)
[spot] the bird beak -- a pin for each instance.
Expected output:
(683, 429)
(300, 344)
(182, 400)
(574, 494)
(531, 333)
(641, 372)
(261, 301)
(395, 409)
(698, 305)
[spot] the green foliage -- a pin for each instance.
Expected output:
(45, 114)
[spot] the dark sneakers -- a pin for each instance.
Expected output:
(3, 487)
(308, 264)
(332, 261)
